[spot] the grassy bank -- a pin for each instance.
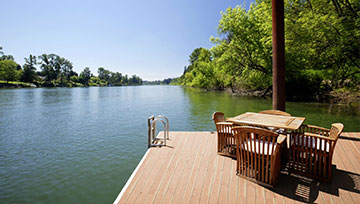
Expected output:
(9, 84)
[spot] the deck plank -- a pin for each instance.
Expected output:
(158, 170)
(233, 190)
(213, 163)
(343, 164)
(198, 186)
(204, 155)
(188, 176)
(176, 183)
(170, 171)
(190, 171)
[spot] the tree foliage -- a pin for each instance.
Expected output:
(5, 57)
(85, 76)
(322, 42)
(9, 70)
(58, 71)
(29, 70)
(108, 78)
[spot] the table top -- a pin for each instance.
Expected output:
(268, 120)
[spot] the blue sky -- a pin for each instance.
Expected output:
(152, 39)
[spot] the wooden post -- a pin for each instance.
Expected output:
(278, 43)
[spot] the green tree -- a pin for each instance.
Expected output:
(115, 79)
(29, 72)
(103, 73)
(321, 41)
(65, 67)
(200, 72)
(47, 65)
(55, 69)
(74, 79)
(8, 71)
(5, 57)
(134, 80)
(125, 80)
(85, 76)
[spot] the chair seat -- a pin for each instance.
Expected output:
(255, 145)
(310, 143)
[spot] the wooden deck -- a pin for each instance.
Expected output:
(189, 170)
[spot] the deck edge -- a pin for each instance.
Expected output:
(117, 200)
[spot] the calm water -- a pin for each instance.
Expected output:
(80, 145)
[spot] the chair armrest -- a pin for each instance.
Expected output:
(312, 128)
(318, 136)
(281, 138)
(317, 127)
(224, 123)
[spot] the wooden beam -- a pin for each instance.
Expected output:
(278, 44)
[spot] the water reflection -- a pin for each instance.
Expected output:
(203, 104)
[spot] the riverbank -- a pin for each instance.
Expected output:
(348, 97)
(16, 84)
(334, 97)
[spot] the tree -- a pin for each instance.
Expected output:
(47, 65)
(65, 67)
(5, 57)
(55, 69)
(322, 49)
(85, 76)
(125, 80)
(29, 72)
(115, 78)
(74, 79)
(8, 70)
(200, 72)
(103, 74)
(134, 80)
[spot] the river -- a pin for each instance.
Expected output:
(80, 145)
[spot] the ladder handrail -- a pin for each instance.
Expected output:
(167, 124)
(152, 129)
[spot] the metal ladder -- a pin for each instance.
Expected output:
(153, 140)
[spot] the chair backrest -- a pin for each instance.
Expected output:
(275, 112)
(336, 130)
(218, 117)
(255, 148)
(245, 135)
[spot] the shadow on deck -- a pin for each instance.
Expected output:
(307, 190)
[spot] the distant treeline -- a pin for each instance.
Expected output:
(57, 71)
(322, 43)
(158, 82)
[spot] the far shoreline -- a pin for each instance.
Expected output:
(334, 98)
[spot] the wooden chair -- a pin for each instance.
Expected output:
(311, 150)
(258, 154)
(218, 117)
(226, 141)
(275, 112)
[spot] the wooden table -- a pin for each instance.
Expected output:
(268, 120)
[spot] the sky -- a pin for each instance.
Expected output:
(152, 39)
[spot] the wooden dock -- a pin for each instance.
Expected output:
(189, 170)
